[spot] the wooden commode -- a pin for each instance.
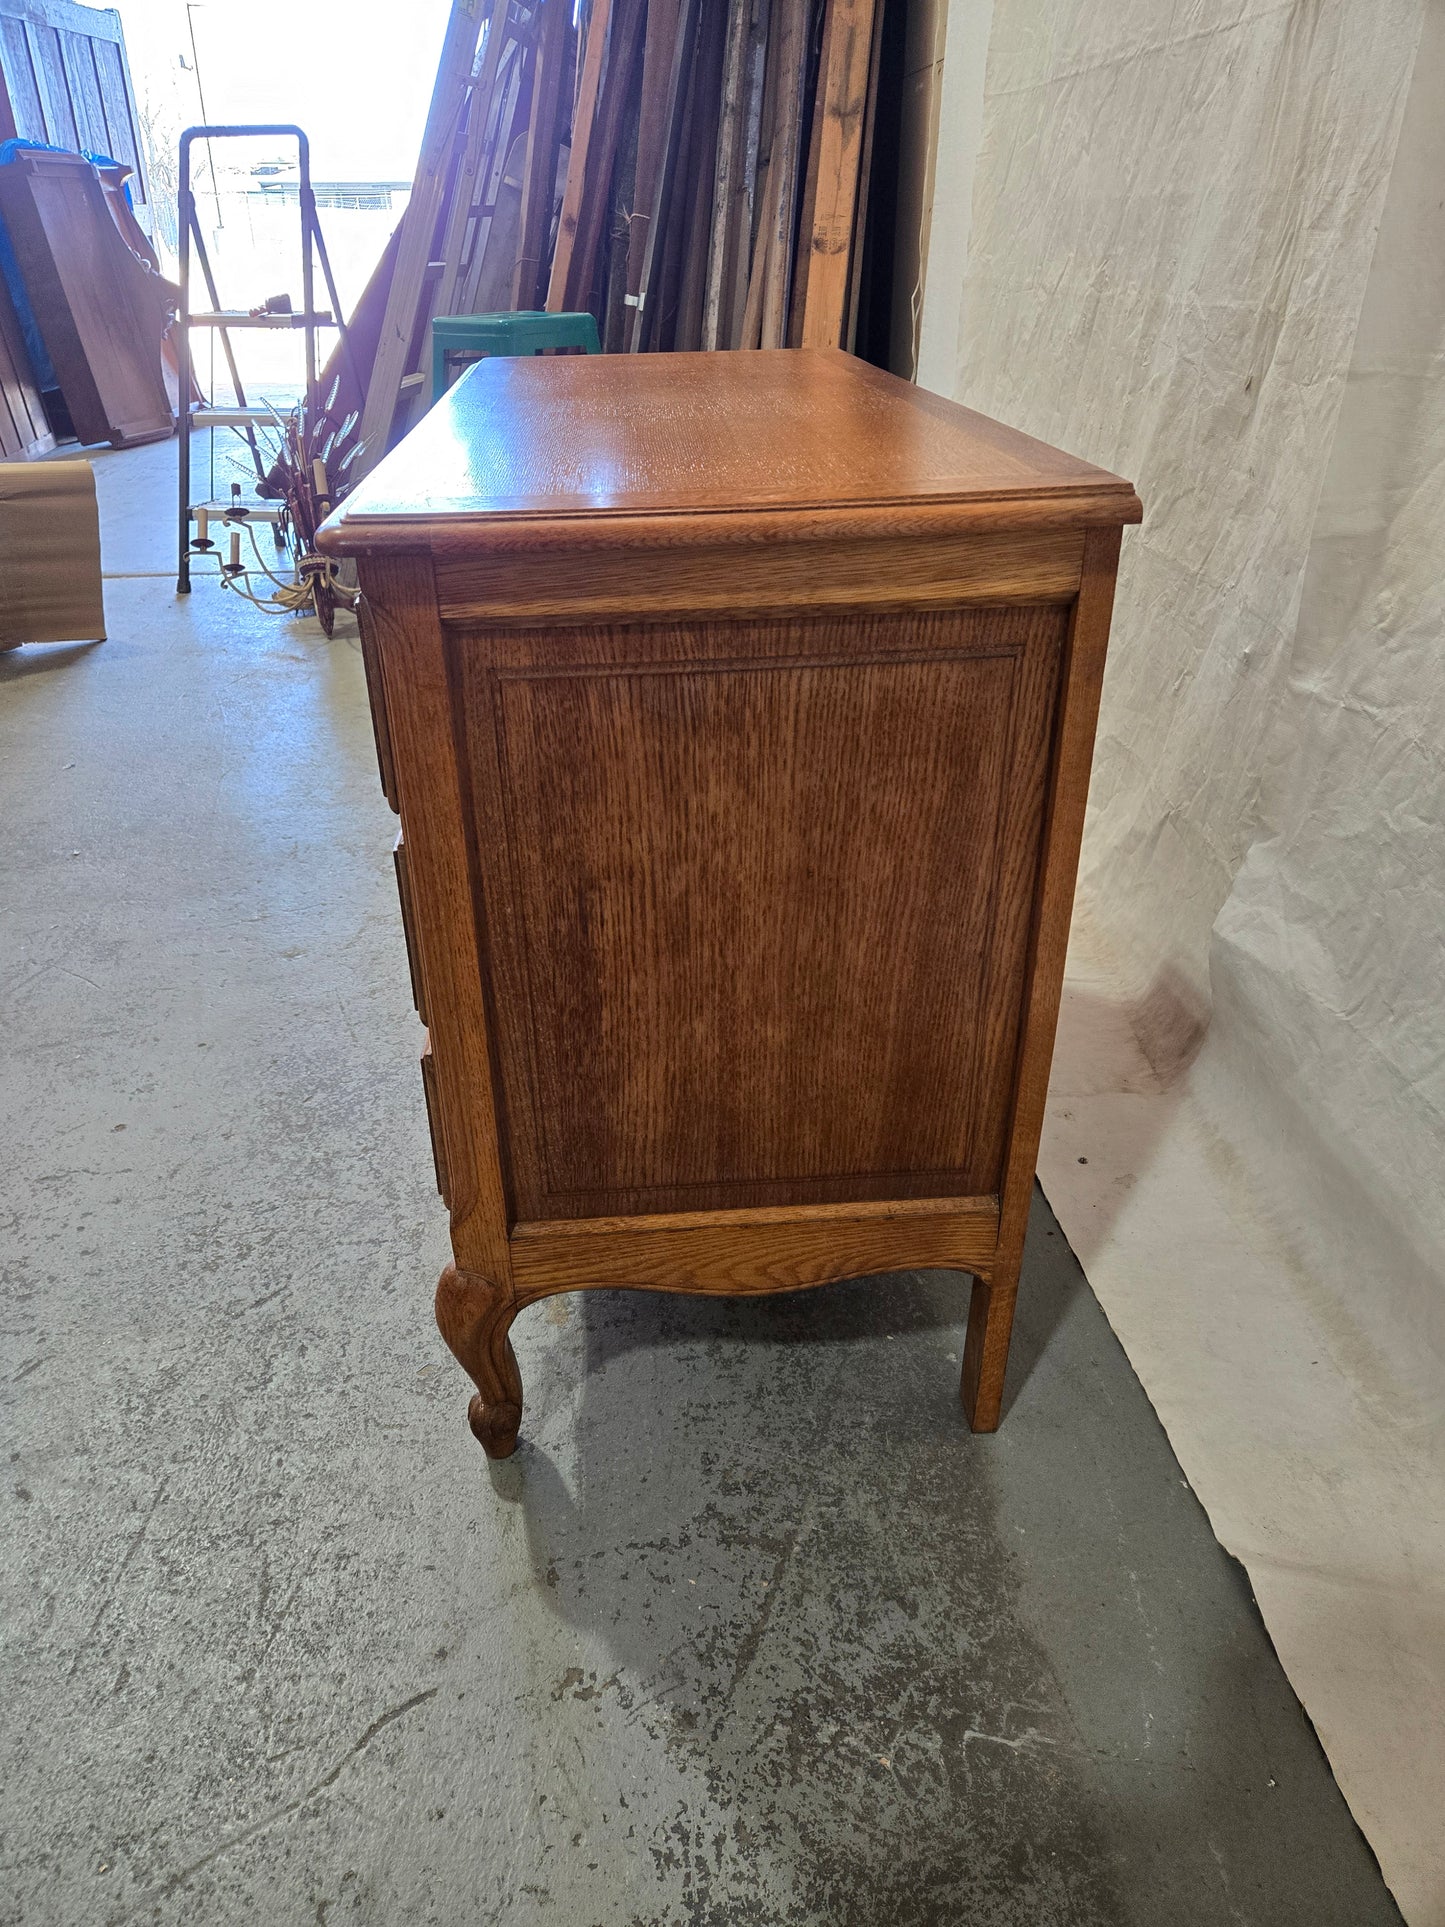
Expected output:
(738, 710)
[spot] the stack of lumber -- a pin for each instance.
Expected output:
(693, 172)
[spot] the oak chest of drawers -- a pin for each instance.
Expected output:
(738, 709)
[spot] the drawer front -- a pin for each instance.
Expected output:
(434, 1120)
(376, 695)
(408, 924)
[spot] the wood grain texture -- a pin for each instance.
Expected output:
(100, 312)
(623, 55)
(746, 1253)
(473, 1314)
(900, 571)
(539, 174)
(843, 91)
(639, 439)
(991, 1312)
(436, 821)
(785, 160)
(583, 121)
(661, 36)
(812, 932)
(741, 726)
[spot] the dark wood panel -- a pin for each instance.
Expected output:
(100, 313)
(24, 431)
(750, 925)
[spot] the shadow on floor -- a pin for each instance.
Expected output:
(896, 1693)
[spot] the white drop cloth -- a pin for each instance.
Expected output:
(1207, 249)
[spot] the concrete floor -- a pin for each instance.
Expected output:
(750, 1630)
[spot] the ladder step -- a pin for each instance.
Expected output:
(410, 382)
(240, 319)
(233, 417)
(252, 511)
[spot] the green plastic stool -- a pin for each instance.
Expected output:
(459, 338)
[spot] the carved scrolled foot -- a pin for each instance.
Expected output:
(473, 1316)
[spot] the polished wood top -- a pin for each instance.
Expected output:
(622, 438)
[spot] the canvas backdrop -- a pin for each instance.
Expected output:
(1203, 245)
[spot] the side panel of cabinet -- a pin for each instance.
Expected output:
(758, 898)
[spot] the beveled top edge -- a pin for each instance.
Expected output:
(656, 450)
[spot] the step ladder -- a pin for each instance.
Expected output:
(307, 319)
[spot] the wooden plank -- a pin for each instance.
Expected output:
(660, 39)
(100, 313)
(703, 117)
(486, 283)
(731, 133)
(750, 334)
(752, 1251)
(843, 96)
(602, 147)
(121, 141)
(783, 172)
(49, 71)
(83, 87)
(924, 571)
(667, 168)
(21, 115)
(582, 125)
(483, 109)
(539, 178)
(810, 190)
(865, 178)
(408, 285)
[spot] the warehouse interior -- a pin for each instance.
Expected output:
(757, 1622)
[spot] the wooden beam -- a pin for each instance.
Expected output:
(471, 175)
(783, 171)
(662, 19)
(843, 102)
(596, 188)
(408, 282)
(865, 178)
(668, 167)
(731, 134)
(582, 122)
(539, 178)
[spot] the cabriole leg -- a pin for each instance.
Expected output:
(473, 1316)
(985, 1350)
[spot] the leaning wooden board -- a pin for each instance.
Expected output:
(24, 431)
(739, 708)
(100, 311)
